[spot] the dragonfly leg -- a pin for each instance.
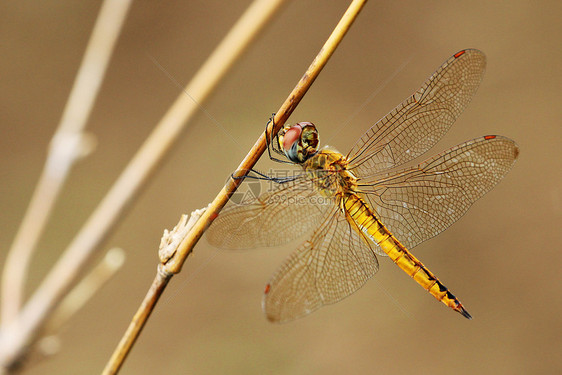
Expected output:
(273, 142)
(257, 175)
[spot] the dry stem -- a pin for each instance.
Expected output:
(68, 144)
(85, 289)
(25, 328)
(173, 261)
(174, 264)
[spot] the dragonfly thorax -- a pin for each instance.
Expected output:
(328, 169)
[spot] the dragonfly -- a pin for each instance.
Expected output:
(366, 203)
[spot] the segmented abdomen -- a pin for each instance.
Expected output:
(365, 221)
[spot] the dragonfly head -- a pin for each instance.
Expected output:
(299, 141)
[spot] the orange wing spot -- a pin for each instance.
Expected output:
(214, 215)
(459, 54)
(267, 288)
(488, 137)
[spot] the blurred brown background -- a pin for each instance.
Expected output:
(502, 259)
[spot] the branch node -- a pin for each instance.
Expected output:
(66, 147)
(171, 240)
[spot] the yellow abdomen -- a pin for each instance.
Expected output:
(364, 220)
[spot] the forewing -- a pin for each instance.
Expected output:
(415, 125)
(419, 203)
(330, 266)
(274, 218)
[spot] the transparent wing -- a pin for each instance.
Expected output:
(330, 266)
(274, 218)
(415, 125)
(419, 203)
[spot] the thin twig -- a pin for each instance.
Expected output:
(85, 289)
(168, 244)
(68, 144)
(49, 343)
(23, 330)
(175, 263)
(174, 260)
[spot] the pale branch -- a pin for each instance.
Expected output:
(173, 252)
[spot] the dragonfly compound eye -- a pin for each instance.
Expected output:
(300, 142)
(291, 137)
(309, 139)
